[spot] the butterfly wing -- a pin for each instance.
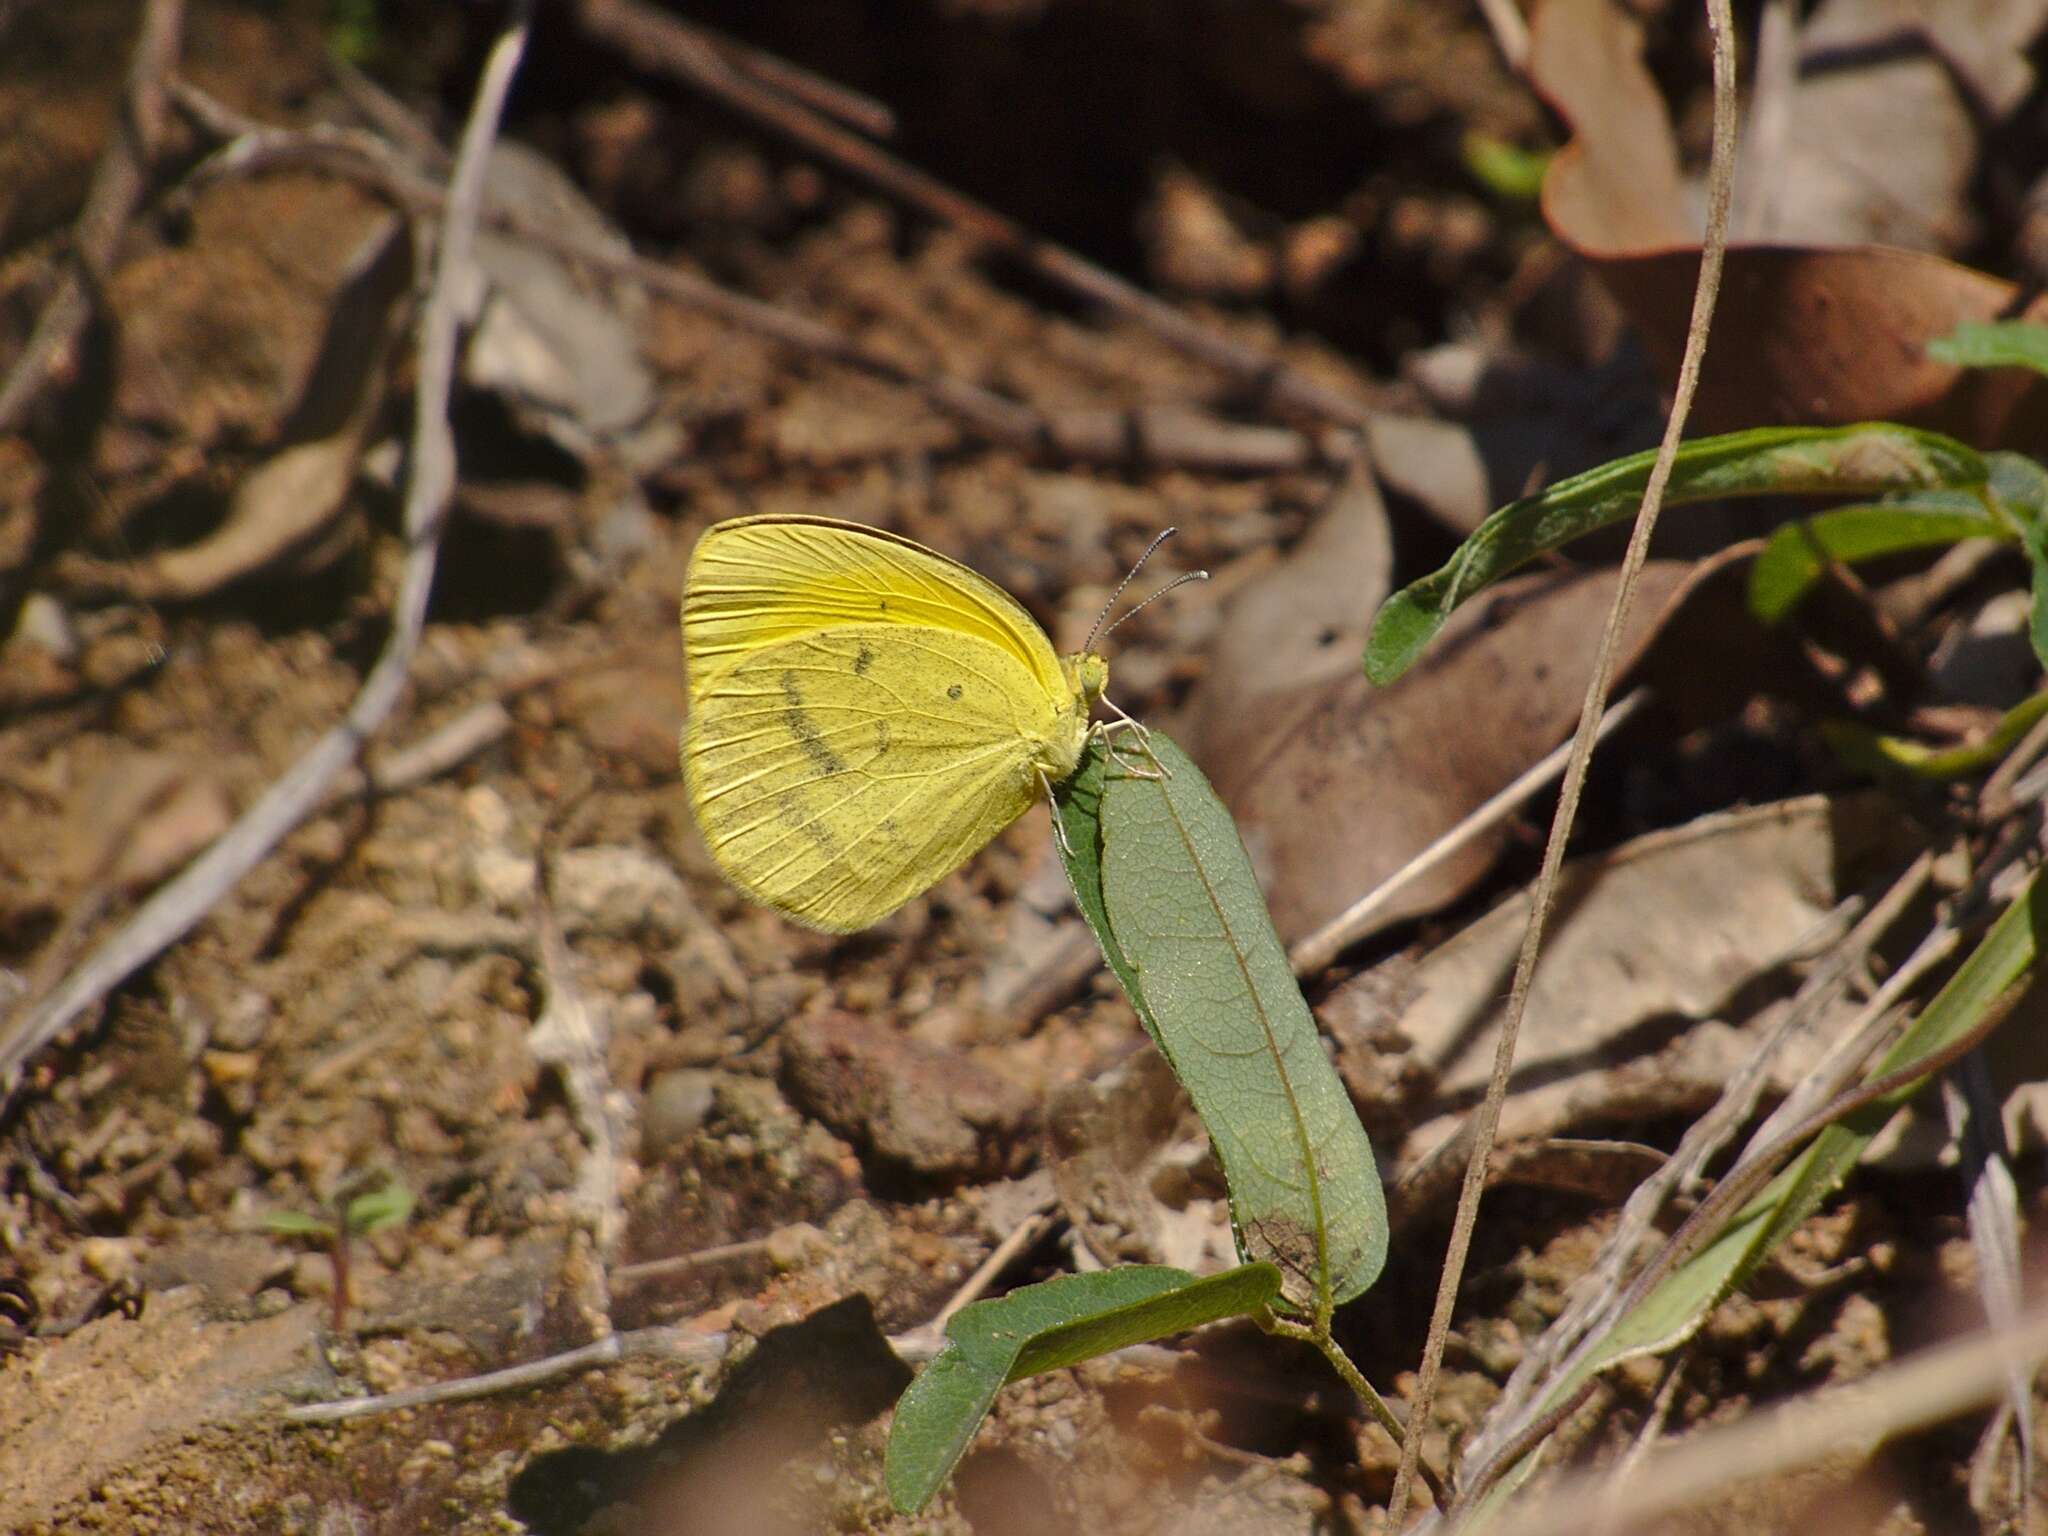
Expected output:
(837, 775)
(864, 714)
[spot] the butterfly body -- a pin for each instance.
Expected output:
(864, 713)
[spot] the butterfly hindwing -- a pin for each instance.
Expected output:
(838, 775)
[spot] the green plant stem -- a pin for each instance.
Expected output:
(1319, 1339)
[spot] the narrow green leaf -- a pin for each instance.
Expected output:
(297, 1224)
(1163, 879)
(1873, 752)
(1865, 460)
(1796, 554)
(1998, 344)
(1676, 1308)
(1041, 1328)
(2037, 613)
(2012, 500)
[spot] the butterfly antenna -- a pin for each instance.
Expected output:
(1131, 575)
(1179, 581)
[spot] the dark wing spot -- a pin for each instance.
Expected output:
(807, 735)
(792, 814)
(953, 692)
(881, 737)
(863, 659)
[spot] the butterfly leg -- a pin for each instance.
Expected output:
(1059, 827)
(1109, 730)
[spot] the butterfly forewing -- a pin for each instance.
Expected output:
(759, 581)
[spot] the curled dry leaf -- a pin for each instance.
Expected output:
(288, 508)
(1799, 329)
(561, 348)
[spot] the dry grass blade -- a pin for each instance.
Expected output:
(1592, 1305)
(1994, 1217)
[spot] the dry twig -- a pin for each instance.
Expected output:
(118, 185)
(179, 906)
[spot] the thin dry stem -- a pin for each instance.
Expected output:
(1720, 176)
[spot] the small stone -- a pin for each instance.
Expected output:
(931, 1112)
(676, 1107)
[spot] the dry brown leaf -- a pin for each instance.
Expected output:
(1299, 626)
(1649, 946)
(1353, 781)
(1802, 334)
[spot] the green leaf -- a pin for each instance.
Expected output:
(379, 1208)
(298, 1224)
(2037, 575)
(1998, 344)
(2019, 488)
(1854, 461)
(1676, 1308)
(2010, 502)
(1162, 878)
(1798, 552)
(1040, 1328)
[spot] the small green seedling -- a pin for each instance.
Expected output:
(369, 1210)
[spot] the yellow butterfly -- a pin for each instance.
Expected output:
(864, 713)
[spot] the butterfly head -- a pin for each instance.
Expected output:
(1087, 675)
